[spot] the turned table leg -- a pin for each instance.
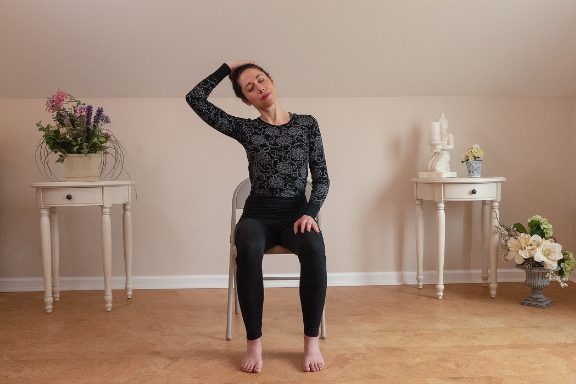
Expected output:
(485, 234)
(46, 257)
(419, 243)
(127, 236)
(493, 249)
(107, 256)
(440, 226)
(55, 240)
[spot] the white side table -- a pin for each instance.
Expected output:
(488, 190)
(50, 196)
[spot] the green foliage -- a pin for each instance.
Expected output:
(73, 138)
(567, 264)
(520, 228)
(540, 226)
(536, 231)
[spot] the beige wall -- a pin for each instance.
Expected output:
(185, 173)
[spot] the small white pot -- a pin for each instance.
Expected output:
(83, 167)
(474, 168)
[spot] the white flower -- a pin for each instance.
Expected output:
(548, 253)
(520, 248)
(535, 242)
(474, 153)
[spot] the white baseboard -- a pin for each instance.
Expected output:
(221, 281)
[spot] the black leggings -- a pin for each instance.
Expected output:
(266, 222)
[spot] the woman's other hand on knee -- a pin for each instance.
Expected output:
(306, 223)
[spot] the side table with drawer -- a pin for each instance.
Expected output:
(52, 195)
(487, 190)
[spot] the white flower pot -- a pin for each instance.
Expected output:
(474, 168)
(83, 167)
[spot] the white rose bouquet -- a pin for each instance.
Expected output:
(535, 247)
(473, 153)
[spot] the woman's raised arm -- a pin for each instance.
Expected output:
(197, 98)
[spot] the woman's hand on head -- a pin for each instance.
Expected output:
(306, 223)
(236, 64)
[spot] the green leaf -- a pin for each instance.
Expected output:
(536, 231)
(520, 228)
(84, 152)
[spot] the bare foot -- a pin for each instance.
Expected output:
(313, 360)
(252, 361)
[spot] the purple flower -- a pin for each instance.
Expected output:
(98, 116)
(88, 116)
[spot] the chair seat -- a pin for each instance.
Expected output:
(278, 250)
(275, 250)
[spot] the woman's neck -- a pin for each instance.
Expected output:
(275, 115)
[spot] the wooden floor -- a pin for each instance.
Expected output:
(376, 334)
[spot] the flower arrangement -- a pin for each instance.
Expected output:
(76, 130)
(535, 247)
(474, 153)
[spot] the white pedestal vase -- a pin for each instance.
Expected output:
(83, 167)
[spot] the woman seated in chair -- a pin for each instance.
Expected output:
(280, 147)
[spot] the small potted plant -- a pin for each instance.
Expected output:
(80, 139)
(473, 160)
(536, 251)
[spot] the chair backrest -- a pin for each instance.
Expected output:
(241, 194)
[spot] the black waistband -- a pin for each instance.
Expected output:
(274, 207)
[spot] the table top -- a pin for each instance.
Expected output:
(81, 184)
(460, 180)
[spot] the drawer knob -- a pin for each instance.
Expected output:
(69, 197)
(473, 191)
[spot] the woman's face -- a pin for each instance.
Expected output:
(258, 89)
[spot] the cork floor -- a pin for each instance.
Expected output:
(376, 334)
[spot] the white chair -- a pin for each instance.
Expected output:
(238, 200)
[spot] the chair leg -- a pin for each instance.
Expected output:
(236, 291)
(323, 325)
(231, 294)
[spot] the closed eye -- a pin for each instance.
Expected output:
(250, 86)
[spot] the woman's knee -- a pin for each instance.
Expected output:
(310, 246)
(250, 242)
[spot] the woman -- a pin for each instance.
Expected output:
(280, 147)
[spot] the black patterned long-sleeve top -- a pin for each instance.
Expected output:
(278, 155)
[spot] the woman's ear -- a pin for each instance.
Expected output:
(245, 101)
